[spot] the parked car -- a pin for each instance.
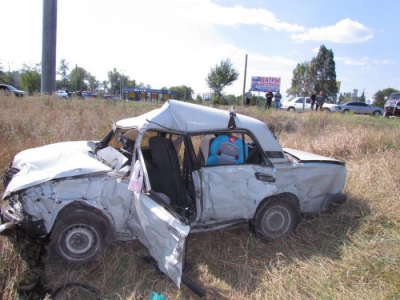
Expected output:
(158, 177)
(62, 94)
(296, 104)
(7, 89)
(392, 105)
(358, 107)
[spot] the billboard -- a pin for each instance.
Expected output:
(264, 84)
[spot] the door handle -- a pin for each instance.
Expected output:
(265, 177)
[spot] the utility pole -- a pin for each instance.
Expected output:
(49, 46)
(244, 80)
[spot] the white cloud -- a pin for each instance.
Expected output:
(354, 62)
(167, 43)
(175, 44)
(344, 31)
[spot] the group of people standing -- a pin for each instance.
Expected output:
(317, 100)
(269, 95)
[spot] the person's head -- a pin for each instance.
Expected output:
(249, 90)
(315, 92)
(321, 93)
(270, 90)
(277, 91)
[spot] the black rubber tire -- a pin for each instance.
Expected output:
(78, 236)
(376, 113)
(291, 109)
(276, 218)
(346, 111)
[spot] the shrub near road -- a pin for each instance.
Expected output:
(351, 252)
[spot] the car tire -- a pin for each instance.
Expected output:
(276, 218)
(376, 113)
(79, 236)
(326, 109)
(291, 109)
(346, 111)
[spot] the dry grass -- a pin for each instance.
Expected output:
(350, 253)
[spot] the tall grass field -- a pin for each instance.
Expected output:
(351, 252)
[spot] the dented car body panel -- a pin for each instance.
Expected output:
(157, 177)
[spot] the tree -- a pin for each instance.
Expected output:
(63, 71)
(184, 92)
(323, 71)
(31, 78)
(302, 81)
(2, 74)
(319, 74)
(114, 79)
(199, 100)
(221, 76)
(104, 84)
(129, 83)
(380, 96)
(93, 83)
(77, 79)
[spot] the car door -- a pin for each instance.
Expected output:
(160, 230)
(365, 108)
(356, 108)
(299, 104)
(233, 190)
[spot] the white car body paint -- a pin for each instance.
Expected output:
(53, 176)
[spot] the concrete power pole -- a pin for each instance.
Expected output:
(49, 46)
(244, 80)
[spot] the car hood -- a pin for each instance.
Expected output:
(303, 156)
(54, 161)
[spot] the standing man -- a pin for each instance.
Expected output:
(320, 99)
(313, 98)
(248, 96)
(278, 98)
(269, 96)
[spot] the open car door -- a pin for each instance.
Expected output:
(162, 232)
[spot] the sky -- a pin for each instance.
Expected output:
(166, 43)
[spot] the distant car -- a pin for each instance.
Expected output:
(7, 89)
(62, 94)
(392, 105)
(363, 108)
(296, 104)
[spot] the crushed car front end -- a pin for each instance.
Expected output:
(27, 183)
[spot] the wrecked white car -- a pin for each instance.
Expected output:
(158, 177)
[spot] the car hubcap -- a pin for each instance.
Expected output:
(79, 240)
(276, 221)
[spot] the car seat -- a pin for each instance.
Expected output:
(226, 150)
(164, 172)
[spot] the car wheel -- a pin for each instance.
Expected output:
(292, 109)
(276, 218)
(376, 113)
(78, 236)
(326, 109)
(346, 111)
